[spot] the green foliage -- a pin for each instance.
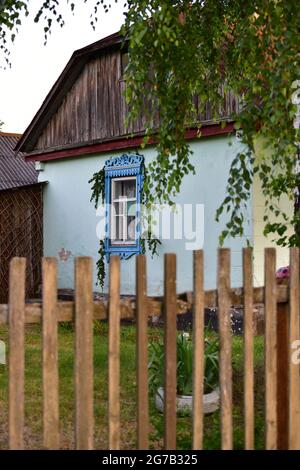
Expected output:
(182, 48)
(47, 12)
(191, 48)
(184, 364)
(98, 187)
(100, 265)
(238, 193)
(98, 194)
(11, 12)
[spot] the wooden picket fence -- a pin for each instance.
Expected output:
(84, 311)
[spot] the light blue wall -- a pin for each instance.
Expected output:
(70, 219)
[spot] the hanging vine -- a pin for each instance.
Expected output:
(147, 239)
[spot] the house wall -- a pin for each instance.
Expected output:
(260, 241)
(70, 219)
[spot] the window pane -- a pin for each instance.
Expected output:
(125, 189)
(131, 228)
(119, 228)
(131, 208)
(118, 208)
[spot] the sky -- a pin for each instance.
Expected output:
(35, 67)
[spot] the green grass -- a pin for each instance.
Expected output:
(33, 396)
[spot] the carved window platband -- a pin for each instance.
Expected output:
(123, 185)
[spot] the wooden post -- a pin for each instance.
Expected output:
(84, 375)
(114, 355)
(270, 350)
(16, 353)
(294, 368)
(225, 348)
(248, 349)
(170, 352)
(198, 356)
(142, 353)
(50, 355)
(282, 376)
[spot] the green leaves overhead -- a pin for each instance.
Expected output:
(182, 48)
(179, 49)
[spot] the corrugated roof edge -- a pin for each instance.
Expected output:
(10, 134)
(38, 183)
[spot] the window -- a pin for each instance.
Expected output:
(123, 210)
(123, 184)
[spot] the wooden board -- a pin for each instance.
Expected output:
(270, 350)
(170, 352)
(84, 370)
(114, 355)
(94, 108)
(66, 309)
(142, 353)
(198, 359)
(225, 348)
(16, 354)
(248, 349)
(50, 356)
(293, 357)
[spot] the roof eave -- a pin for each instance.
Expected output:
(60, 88)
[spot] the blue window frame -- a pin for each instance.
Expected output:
(123, 185)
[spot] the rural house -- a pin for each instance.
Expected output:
(80, 128)
(20, 215)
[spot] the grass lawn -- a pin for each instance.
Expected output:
(33, 395)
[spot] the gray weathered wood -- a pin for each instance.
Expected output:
(95, 109)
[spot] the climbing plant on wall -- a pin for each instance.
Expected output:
(147, 240)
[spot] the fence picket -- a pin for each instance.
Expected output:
(50, 355)
(142, 353)
(282, 381)
(270, 350)
(170, 351)
(114, 354)
(16, 313)
(84, 414)
(248, 349)
(198, 359)
(16, 353)
(225, 347)
(294, 335)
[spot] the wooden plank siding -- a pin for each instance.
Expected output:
(94, 109)
(21, 234)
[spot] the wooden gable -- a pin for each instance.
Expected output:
(86, 106)
(94, 109)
